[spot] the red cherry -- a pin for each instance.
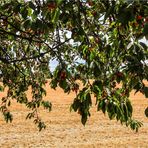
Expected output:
(36, 85)
(119, 74)
(139, 17)
(94, 13)
(62, 75)
(79, 112)
(51, 5)
(90, 3)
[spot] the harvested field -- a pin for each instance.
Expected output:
(64, 129)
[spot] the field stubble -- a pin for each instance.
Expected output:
(64, 129)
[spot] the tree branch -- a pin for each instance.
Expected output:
(19, 36)
(37, 56)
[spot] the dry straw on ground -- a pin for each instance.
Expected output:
(65, 130)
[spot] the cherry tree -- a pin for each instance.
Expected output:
(104, 34)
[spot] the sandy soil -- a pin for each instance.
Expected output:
(64, 129)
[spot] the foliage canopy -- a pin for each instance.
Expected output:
(104, 34)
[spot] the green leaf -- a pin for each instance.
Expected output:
(81, 31)
(29, 116)
(108, 13)
(24, 12)
(17, 8)
(9, 103)
(134, 124)
(102, 106)
(8, 117)
(146, 112)
(125, 15)
(27, 23)
(31, 5)
(84, 119)
(63, 84)
(1, 88)
(53, 83)
(129, 108)
(59, 2)
(41, 125)
(145, 30)
(56, 15)
(76, 105)
(146, 92)
(99, 85)
(88, 99)
(92, 56)
(47, 105)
